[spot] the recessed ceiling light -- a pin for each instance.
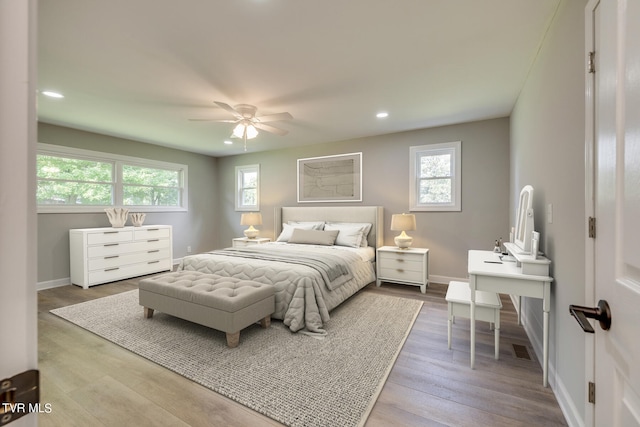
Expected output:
(52, 94)
(228, 142)
(382, 115)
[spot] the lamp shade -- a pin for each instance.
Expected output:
(403, 222)
(251, 218)
(245, 129)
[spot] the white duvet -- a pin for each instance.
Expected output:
(302, 299)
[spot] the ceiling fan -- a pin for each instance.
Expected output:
(247, 123)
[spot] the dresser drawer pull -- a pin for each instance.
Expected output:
(153, 240)
(112, 256)
(112, 244)
(156, 250)
(153, 229)
(112, 269)
(111, 232)
(399, 260)
(400, 270)
(153, 262)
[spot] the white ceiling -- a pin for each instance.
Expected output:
(139, 69)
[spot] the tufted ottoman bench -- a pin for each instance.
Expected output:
(227, 304)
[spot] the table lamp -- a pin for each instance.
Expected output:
(403, 222)
(251, 219)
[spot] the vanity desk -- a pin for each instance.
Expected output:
(518, 274)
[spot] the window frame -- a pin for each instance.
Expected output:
(117, 161)
(240, 171)
(415, 154)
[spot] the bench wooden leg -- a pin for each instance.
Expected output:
(233, 338)
(148, 312)
(265, 322)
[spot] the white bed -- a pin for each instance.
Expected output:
(304, 293)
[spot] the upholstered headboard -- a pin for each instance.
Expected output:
(370, 214)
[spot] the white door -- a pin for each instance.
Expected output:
(18, 306)
(617, 209)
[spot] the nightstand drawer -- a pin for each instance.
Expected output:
(400, 256)
(402, 274)
(411, 264)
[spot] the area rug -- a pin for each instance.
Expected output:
(295, 379)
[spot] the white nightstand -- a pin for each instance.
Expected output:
(243, 242)
(406, 266)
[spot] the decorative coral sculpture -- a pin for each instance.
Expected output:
(137, 219)
(117, 216)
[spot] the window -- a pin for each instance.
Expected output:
(436, 177)
(74, 180)
(248, 188)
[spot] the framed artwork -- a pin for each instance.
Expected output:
(330, 178)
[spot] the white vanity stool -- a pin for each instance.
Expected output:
(488, 306)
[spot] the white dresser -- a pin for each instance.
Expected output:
(101, 255)
(407, 266)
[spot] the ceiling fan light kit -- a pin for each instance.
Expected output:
(247, 123)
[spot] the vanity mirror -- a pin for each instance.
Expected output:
(524, 220)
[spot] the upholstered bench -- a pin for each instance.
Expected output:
(227, 304)
(488, 306)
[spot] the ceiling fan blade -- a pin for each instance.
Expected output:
(213, 120)
(271, 129)
(229, 108)
(274, 117)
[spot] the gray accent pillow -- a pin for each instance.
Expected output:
(313, 237)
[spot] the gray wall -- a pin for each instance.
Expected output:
(385, 158)
(547, 151)
(196, 228)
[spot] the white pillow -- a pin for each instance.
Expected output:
(287, 231)
(317, 225)
(348, 235)
(364, 227)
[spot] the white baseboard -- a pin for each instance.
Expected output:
(445, 279)
(49, 284)
(567, 405)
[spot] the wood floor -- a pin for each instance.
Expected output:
(89, 381)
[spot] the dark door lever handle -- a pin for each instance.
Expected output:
(602, 313)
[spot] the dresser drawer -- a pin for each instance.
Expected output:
(151, 233)
(110, 261)
(117, 273)
(111, 236)
(121, 248)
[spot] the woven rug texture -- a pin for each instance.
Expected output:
(295, 379)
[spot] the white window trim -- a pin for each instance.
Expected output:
(414, 156)
(240, 170)
(117, 160)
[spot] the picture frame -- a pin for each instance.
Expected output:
(336, 178)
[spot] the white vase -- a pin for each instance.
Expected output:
(137, 219)
(117, 216)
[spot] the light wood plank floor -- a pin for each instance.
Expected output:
(89, 381)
